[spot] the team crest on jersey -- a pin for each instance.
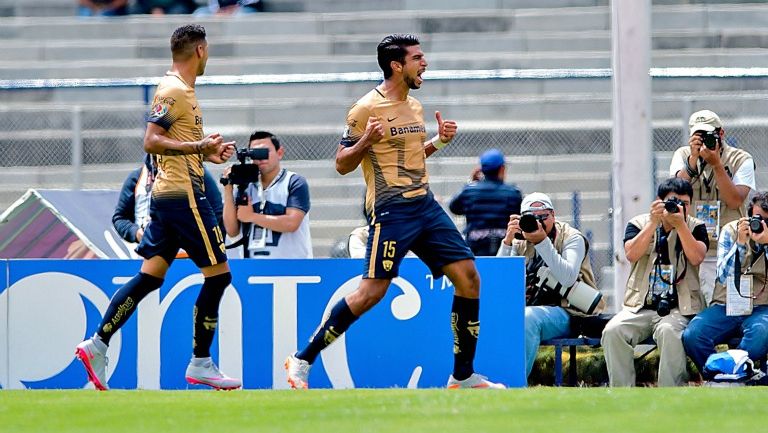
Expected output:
(159, 110)
(387, 264)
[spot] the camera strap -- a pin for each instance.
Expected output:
(757, 253)
(678, 253)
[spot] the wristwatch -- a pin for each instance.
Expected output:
(224, 180)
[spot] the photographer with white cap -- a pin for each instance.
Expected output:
(560, 283)
(722, 177)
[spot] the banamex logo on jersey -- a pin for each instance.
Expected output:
(271, 309)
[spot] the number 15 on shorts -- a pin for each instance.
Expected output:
(389, 249)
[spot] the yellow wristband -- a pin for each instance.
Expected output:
(438, 143)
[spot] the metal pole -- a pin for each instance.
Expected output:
(631, 138)
(686, 109)
(77, 147)
(576, 210)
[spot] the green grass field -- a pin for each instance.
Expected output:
(698, 410)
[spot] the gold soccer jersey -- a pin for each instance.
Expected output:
(175, 108)
(394, 168)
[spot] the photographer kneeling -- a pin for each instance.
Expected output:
(663, 292)
(736, 310)
(559, 279)
(269, 217)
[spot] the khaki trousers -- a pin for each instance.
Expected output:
(626, 330)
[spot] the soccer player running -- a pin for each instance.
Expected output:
(386, 133)
(181, 216)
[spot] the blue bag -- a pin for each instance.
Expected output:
(732, 365)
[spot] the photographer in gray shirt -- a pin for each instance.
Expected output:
(559, 278)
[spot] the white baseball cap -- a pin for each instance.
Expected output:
(704, 120)
(533, 198)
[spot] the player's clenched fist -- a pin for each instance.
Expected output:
(374, 130)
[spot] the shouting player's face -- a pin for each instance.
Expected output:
(415, 65)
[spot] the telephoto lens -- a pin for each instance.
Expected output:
(756, 224)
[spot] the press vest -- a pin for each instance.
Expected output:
(690, 298)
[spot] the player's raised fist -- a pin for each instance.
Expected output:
(446, 128)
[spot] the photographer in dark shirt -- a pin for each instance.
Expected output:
(665, 247)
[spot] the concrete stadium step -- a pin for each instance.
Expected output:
(266, 46)
(426, 21)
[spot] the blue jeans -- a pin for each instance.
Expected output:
(712, 327)
(543, 323)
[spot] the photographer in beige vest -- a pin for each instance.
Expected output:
(721, 176)
(662, 295)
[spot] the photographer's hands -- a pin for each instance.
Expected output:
(513, 227)
(537, 236)
(744, 233)
(657, 211)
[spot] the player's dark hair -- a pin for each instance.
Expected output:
(674, 184)
(185, 39)
(258, 135)
(392, 48)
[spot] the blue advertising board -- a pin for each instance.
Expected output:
(271, 309)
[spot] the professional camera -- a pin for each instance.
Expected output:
(710, 139)
(664, 302)
(756, 224)
(245, 173)
(529, 223)
(670, 205)
(580, 296)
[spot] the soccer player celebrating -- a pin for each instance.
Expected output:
(386, 133)
(181, 215)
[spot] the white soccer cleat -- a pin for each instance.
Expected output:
(298, 372)
(476, 381)
(95, 362)
(203, 371)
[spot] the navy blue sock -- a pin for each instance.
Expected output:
(205, 316)
(330, 329)
(124, 303)
(465, 324)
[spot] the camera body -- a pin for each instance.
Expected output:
(529, 223)
(710, 139)
(244, 173)
(581, 296)
(756, 224)
(664, 302)
(670, 205)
